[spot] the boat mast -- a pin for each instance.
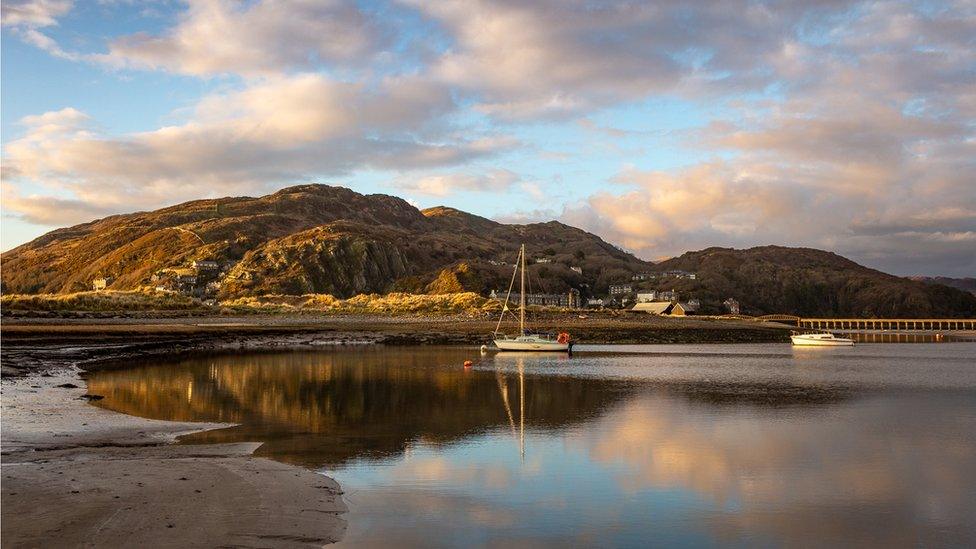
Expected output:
(522, 295)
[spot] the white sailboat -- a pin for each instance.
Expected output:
(525, 341)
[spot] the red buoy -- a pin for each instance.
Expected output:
(468, 364)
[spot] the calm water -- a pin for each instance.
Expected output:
(746, 445)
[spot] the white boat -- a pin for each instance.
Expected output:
(821, 340)
(525, 341)
(530, 342)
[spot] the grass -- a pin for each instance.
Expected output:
(392, 304)
(108, 300)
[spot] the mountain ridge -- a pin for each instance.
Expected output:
(810, 282)
(315, 238)
(374, 243)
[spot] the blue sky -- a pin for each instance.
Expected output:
(663, 128)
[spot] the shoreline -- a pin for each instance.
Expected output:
(38, 344)
(89, 476)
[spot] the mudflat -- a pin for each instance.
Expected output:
(76, 475)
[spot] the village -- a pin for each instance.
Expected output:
(202, 279)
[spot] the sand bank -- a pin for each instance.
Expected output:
(76, 475)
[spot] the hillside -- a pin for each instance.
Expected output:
(310, 239)
(966, 284)
(807, 282)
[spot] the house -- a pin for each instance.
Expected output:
(667, 295)
(542, 260)
(646, 297)
(570, 299)
(620, 289)
(594, 303)
(101, 283)
(680, 308)
(641, 277)
(577, 270)
(206, 266)
(680, 274)
(732, 305)
(661, 307)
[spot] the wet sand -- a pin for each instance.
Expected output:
(76, 475)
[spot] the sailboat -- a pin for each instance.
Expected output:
(525, 341)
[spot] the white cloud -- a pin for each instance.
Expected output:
(497, 181)
(554, 58)
(33, 13)
(256, 38)
(281, 130)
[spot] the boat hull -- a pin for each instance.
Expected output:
(528, 345)
(814, 342)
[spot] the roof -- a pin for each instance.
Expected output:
(653, 307)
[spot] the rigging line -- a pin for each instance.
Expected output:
(508, 295)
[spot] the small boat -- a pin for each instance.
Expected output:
(821, 340)
(525, 341)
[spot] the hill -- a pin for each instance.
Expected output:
(807, 282)
(965, 284)
(310, 239)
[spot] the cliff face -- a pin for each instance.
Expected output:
(312, 238)
(808, 282)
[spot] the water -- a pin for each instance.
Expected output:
(745, 445)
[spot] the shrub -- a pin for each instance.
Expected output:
(393, 303)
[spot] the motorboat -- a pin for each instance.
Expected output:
(821, 340)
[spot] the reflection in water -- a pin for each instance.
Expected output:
(906, 337)
(757, 445)
(323, 408)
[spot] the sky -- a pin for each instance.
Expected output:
(662, 127)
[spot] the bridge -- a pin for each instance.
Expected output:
(940, 324)
(904, 324)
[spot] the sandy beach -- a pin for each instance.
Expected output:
(75, 475)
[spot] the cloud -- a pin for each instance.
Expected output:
(277, 131)
(497, 181)
(868, 149)
(33, 13)
(25, 17)
(557, 58)
(258, 38)
(51, 210)
(839, 124)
